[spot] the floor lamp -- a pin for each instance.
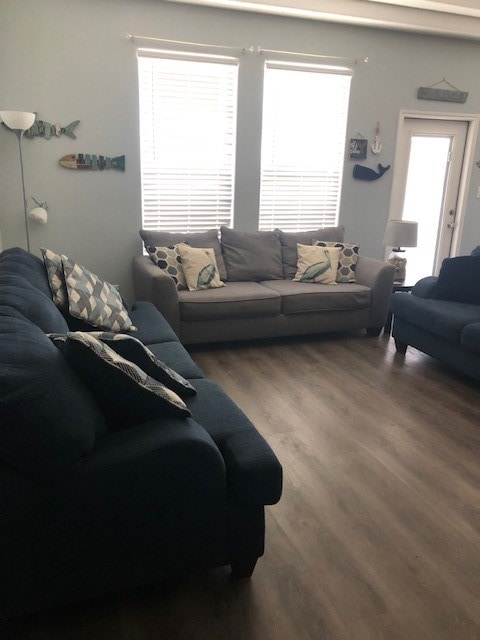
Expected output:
(19, 122)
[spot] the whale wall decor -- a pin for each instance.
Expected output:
(365, 173)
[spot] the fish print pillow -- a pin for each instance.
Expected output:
(347, 261)
(317, 264)
(199, 267)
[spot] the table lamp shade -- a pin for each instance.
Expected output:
(400, 233)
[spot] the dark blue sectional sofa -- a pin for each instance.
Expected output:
(441, 317)
(85, 511)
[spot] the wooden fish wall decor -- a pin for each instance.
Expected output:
(91, 162)
(42, 129)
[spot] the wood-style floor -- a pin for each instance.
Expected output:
(377, 535)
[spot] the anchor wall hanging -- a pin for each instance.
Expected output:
(376, 147)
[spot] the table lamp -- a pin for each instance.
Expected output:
(400, 233)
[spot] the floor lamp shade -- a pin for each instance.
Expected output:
(17, 120)
(398, 234)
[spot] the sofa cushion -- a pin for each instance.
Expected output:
(125, 393)
(132, 349)
(470, 337)
(151, 325)
(443, 318)
(168, 260)
(290, 239)
(35, 305)
(177, 358)
(300, 297)
(19, 262)
(199, 267)
(459, 280)
(236, 300)
(93, 300)
(316, 264)
(200, 240)
(251, 256)
(347, 260)
(48, 418)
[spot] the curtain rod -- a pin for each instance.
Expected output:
(250, 49)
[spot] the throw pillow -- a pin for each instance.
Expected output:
(198, 239)
(168, 260)
(200, 268)
(91, 299)
(252, 256)
(317, 264)
(56, 277)
(290, 239)
(459, 280)
(347, 261)
(132, 349)
(124, 392)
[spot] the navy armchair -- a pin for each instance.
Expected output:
(441, 317)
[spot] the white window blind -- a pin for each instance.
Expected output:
(303, 143)
(187, 136)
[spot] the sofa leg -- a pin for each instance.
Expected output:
(243, 567)
(373, 332)
(400, 346)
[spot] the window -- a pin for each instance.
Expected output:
(187, 138)
(303, 144)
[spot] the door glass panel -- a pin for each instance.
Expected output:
(427, 173)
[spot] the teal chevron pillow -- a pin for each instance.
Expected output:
(93, 300)
(56, 278)
(125, 393)
(316, 264)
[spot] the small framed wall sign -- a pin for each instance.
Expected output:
(358, 148)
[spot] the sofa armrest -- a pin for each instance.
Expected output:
(153, 285)
(377, 275)
(253, 471)
(161, 469)
(425, 287)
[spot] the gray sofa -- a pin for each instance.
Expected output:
(441, 317)
(260, 299)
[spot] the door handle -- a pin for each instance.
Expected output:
(451, 225)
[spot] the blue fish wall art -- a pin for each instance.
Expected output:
(89, 161)
(42, 129)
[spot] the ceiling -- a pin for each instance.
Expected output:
(454, 18)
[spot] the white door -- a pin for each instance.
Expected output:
(429, 165)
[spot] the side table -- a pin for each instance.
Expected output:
(397, 286)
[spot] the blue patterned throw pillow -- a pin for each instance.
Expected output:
(132, 349)
(125, 393)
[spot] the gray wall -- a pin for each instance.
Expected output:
(70, 59)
